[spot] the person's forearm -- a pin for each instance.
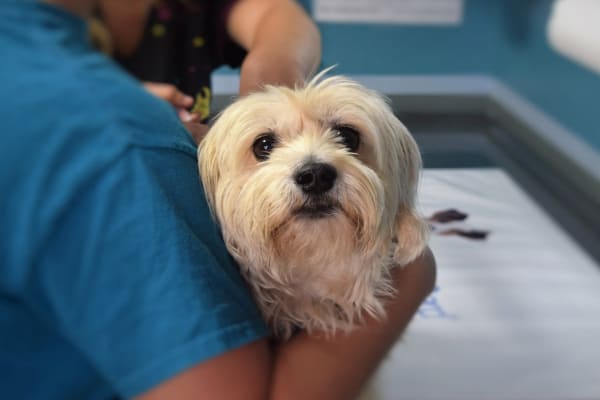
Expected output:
(312, 367)
(283, 44)
(307, 366)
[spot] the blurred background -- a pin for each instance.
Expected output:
(505, 39)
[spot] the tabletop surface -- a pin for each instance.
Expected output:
(513, 316)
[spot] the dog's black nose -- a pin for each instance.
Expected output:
(316, 178)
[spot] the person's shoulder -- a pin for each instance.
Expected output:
(112, 98)
(54, 74)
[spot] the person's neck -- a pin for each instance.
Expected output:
(83, 8)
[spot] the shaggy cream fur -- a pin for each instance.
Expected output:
(316, 270)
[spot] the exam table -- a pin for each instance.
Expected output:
(516, 311)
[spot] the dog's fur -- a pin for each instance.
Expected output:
(321, 271)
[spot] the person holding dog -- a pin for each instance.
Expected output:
(114, 279)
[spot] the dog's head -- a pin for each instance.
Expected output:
(301, 179)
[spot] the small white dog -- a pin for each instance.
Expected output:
(314, 189)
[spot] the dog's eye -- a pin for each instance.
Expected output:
(263, 146)
(348, 136)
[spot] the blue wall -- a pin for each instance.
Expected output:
(505, 39)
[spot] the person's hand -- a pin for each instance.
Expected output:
(170, 94)
(181, 102)
(193, 124)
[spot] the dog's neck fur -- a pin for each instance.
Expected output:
(315, 272)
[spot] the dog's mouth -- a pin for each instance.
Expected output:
(316, 209)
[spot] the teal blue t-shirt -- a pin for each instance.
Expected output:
(113, 276)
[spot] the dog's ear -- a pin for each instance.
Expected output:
(411, 231)
(412, 235)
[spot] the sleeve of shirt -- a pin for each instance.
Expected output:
(137, 277)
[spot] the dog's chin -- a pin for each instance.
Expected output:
(317, 209)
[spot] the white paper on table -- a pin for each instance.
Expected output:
(516, 316)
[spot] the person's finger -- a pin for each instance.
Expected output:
(169, 93)
(186, 116)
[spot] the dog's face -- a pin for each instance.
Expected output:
(313, 184)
